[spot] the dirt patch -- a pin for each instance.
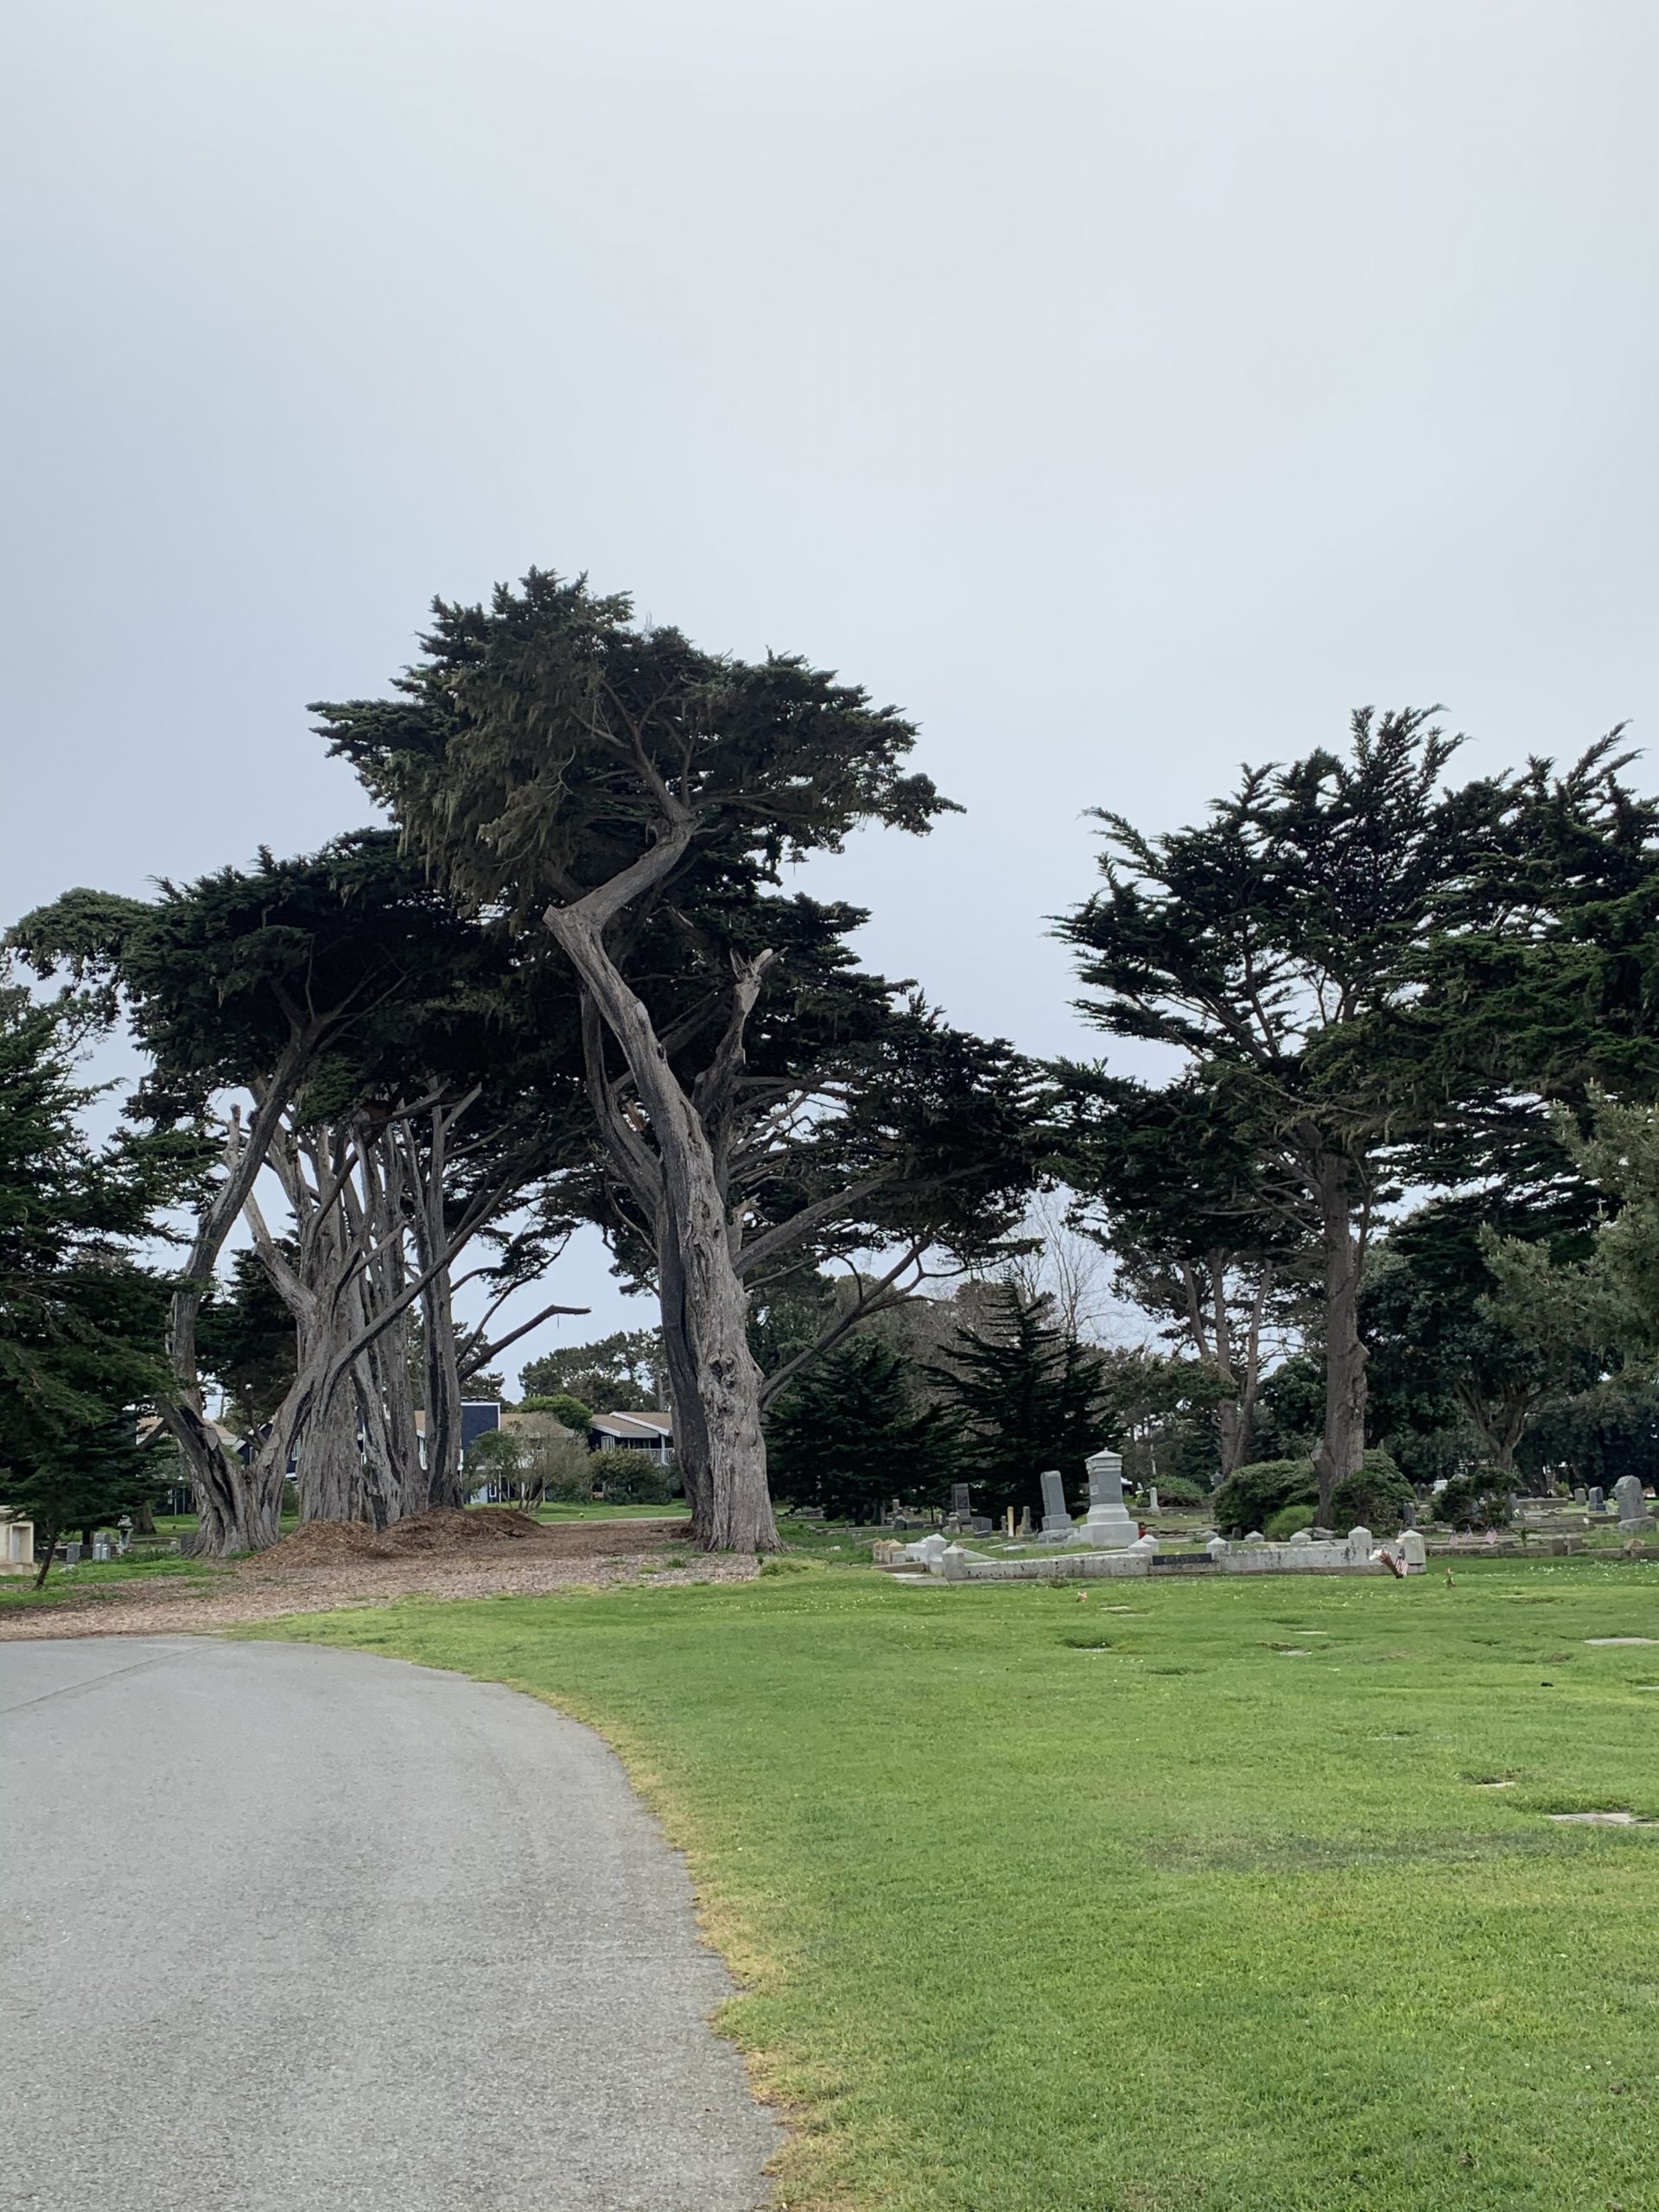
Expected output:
(487, 1552)
(445, 1528)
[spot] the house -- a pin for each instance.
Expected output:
(479, 1416)
(646, 1432)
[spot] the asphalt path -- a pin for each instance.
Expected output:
(283, 1928)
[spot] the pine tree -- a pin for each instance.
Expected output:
(80, 1322)
(850, 1436)
(1028, 1397)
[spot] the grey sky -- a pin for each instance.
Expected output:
(1124, 389)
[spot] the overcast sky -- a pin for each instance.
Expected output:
(1125, 388)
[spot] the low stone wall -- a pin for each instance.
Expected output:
(1355, 1553)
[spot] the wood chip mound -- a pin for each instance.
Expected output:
(446, 1526)
(445, 1529)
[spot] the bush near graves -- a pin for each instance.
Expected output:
(1377, 1497)
(1179, 1490)
(1252, 1494)
(632, 1477)
(1289, 1522)
(1477, 1501)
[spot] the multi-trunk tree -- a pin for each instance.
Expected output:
(410, 1089)
(626, 802)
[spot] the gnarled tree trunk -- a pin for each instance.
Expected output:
(705, 1325)
(1343, 1446)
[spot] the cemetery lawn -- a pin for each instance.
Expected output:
(1195, 1898)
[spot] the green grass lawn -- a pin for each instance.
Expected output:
(1123, 1906)
(102, 1575)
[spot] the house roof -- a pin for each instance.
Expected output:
(648, 1424)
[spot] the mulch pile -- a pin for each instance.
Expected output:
(445, 1528)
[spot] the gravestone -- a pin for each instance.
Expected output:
(1580, 1495)
(1413, 1552)
(1057, 1519)
(1152, 1499)
(961, 1500)
(101, 1549)
(1109, 1527)
(1597, 1500)
(1024, 1529)
(72, 1554)
(1632, 1506)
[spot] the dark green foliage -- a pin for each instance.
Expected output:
(80, 1321)
(85, 1475)
(1293, 948)
(612, 1375)
(1251, 1495)
(850, 1436)
(551, 721)
(544, 747)
(1291, 1413)
(1443, 1351)
(1160, 1411)
(635, 1477)
(1595, 1437)
(1028, 1398)
(1290, 1521)
(1377, 1497)
(244, 1337)
(1477, 1501)
(1177, 1489)
(565, 1408)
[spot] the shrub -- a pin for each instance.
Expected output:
(1290, 1521)
(1376, 1498)
(1177, 1489)
(1251, 1495)
(1477, 1501)
(632, 1477)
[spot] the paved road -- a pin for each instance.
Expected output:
(283, 1928)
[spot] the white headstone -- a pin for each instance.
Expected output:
(1109, 1527)
(1414, 1548)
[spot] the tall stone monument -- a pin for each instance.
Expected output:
(1057, 1519)
(1109, 1527)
